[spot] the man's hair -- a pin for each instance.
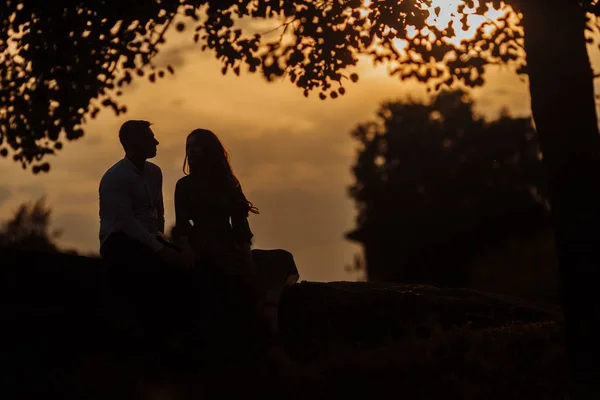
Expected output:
(130, 129)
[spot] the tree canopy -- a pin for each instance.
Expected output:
(61, 62)
(436, 185)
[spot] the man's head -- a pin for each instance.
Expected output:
(138, 139)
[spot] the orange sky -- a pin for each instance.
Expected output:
(292, 154)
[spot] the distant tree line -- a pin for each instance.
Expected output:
(442, 194)
(30, 229)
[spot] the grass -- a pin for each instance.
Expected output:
(516, 362)
(513, 362)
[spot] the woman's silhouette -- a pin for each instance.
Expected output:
(213, 231)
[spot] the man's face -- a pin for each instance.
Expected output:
(146, 144)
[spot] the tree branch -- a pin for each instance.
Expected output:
(284, 26)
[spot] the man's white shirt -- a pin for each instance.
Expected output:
(131, 202)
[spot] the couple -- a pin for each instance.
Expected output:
(211, 260)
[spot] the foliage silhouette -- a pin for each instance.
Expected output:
(52, 83)
(29, 228)
(436, 184)
(522, 266)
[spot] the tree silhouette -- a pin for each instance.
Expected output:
(29, 228)
(436, 185)
(52, 83)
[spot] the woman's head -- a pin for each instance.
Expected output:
(206, 158)
(206, 155)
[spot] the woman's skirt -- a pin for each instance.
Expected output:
(246, 306)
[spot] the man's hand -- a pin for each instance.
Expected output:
(171, 257)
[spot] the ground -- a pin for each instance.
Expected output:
(68, 336)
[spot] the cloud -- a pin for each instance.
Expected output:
(316, 148)
(308, 215)
(79, 231)
(5, 194)
(31, 190)
(180, 46)
(175, 55)
(309, 224)
(79, 198)
(93, 140)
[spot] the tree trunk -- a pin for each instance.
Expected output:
(564, 111)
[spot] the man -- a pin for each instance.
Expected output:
(131, 203)
(144, 267)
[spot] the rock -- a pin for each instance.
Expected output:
(319, 319)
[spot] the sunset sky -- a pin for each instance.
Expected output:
(292, 154)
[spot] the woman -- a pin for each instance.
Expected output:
(213, 231)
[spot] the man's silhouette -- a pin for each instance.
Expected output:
(131, 202)
(143, 265)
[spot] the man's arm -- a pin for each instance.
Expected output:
(115, 205)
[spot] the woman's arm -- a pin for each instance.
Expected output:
(241, 230)
(239, 218)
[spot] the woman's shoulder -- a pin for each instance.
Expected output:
(183, 183)
(190, 185)
(184, 180)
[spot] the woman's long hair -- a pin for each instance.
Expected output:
(221, 174)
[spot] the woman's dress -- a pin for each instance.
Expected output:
(216, 224)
